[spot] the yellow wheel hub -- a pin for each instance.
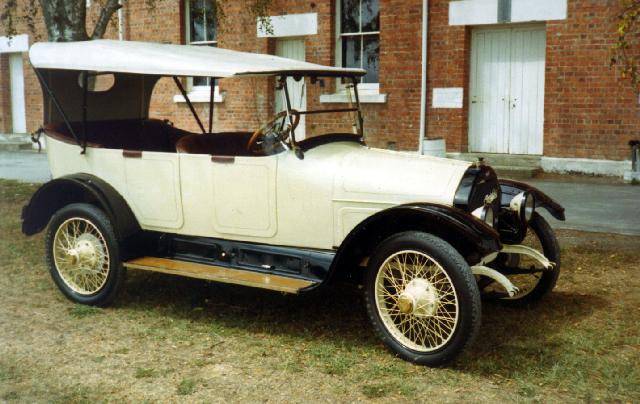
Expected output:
(419, 298)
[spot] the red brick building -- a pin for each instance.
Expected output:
(512, 77)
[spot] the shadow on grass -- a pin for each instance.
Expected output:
(332, 314)
(511, 340)
(515, 341)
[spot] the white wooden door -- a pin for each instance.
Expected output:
(16, 74)
(506, 111)
(489, 95)
(526, 112)
(293, 49)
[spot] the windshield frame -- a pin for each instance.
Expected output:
(358, 118)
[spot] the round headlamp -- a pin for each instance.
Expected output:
(524, 204)
(485, 213)
(529, 207)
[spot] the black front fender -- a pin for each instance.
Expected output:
(468, 235)
(512, 188)
(78, 188)
(484, 238)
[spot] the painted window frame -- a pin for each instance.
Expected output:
(196, 93)
(363, 88)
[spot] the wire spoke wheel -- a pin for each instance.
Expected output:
(532, 280)
(416, 300)
(81, 256)
(526, 282)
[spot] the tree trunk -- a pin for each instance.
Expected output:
(105, 16)
(65, 19)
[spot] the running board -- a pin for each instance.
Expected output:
(219, 274)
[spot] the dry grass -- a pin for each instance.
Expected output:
(173, 339)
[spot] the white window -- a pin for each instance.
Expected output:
(358, 39)
(201, 30)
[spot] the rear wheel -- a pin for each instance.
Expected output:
(421, 298)
(83, 255)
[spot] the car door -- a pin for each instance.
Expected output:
(244, 195)
(153, 188)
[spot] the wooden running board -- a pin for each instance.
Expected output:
(219, 274)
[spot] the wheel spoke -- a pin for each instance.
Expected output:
(432, 316)
(81, 256)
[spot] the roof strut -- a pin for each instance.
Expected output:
(186, 98)
(212, 85)
(85, 84)
(57, 105)
(292, 136)
(360, 119)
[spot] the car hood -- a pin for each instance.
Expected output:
(382, 176)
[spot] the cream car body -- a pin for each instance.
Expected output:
(332, 190)
(423, 235)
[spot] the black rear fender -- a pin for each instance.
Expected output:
(512, 188)
(78, 188)
(470, 237)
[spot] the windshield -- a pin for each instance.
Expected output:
(295, 96)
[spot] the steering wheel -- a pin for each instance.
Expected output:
(274, 128)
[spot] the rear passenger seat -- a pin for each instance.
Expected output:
(132, 134)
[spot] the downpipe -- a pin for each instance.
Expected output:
(423, 80)
(635, 155)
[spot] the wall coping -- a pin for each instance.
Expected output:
(17, 43)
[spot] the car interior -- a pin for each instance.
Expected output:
(116, 118)
(153, 135)
(156, 135)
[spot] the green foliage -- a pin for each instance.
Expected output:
(8, 17)
(378, 390)
(260, 9)
(186, 387)
(625, 50)
(81, 311)
(142, 373)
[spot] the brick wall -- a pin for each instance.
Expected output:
(33, 96)
(245, 104)
(5, 95)
(448, 61)
(33, 92)
(248, 102)
(589, 112)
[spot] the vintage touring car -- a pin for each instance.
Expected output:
(426, 237)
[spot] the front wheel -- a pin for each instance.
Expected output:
(422, 298)
(83, 255)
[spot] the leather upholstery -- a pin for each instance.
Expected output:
(219, 144)
(151, 135)
(130, 134)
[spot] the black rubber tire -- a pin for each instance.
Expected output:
(469, 305)
(115, 278)
(551, 250)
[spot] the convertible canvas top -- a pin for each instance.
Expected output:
(113, 56)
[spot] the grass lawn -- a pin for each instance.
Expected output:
(175, 339)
